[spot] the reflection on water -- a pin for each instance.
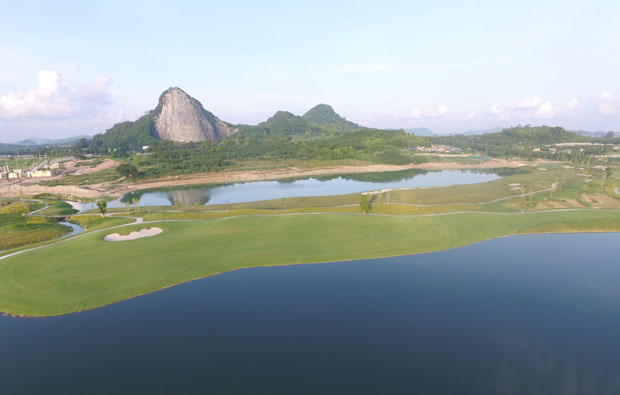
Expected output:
(537, 314)
(310, 186)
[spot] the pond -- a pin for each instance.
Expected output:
(309, 186)
(535, 314)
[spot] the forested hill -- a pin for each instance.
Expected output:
(284, 123)
(518, 140)
(324, 115)
(126, 136)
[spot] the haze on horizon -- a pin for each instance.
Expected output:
(70, 68)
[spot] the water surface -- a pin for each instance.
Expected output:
(310, 186)
(533, 314)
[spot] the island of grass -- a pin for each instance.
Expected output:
(87, 272)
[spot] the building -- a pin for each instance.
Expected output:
(55, 166)
(40, 173)
(15, 174)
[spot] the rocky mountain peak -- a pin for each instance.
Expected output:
(181, 118)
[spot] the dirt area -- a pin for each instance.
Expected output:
(557, 204)
(115, 190)
(600, 201)
(70, 166)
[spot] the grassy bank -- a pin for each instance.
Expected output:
(18, 230)
(87, 272)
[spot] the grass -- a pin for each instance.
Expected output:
(18, 230)
(95, 222)
(58, 208)
(87, 272)
(85, 179)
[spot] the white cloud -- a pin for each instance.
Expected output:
(51, 100)
(546, 110)
(48, 99)
(608, 104)
(530, 107)
(74, 67)
(572, 103)
(419, 113)
(469, 116)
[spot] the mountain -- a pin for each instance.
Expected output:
(287, 124)
(181, 118)
(324, 115)
(33, 141)
(421, 132)
(178, 117)
(526, 136)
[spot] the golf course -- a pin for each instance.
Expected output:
(173, 245)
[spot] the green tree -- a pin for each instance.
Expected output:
(364, 204)
(127, 170)
(102, 206)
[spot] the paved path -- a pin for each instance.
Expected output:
(46, 204)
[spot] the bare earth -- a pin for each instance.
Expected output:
(134, 235)
(116, 190)
(106, 164)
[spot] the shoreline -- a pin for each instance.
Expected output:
(227, 177)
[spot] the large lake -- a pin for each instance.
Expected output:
(309, 186)
(533, 314)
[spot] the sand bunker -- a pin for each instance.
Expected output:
(133, 235)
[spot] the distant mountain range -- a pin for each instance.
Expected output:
(594, 134)
(35, 141)
(421, 132)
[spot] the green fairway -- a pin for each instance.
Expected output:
(88, 272)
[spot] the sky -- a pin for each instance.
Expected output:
(73, 68)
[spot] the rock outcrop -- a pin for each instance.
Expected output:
(181, 118)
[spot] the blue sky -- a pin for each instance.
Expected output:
(70, 68)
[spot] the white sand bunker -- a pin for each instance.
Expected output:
(133, 235)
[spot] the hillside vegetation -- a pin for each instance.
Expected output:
(324, 115)
(515, 141)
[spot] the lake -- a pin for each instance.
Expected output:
(536, 314)
(309, 186)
